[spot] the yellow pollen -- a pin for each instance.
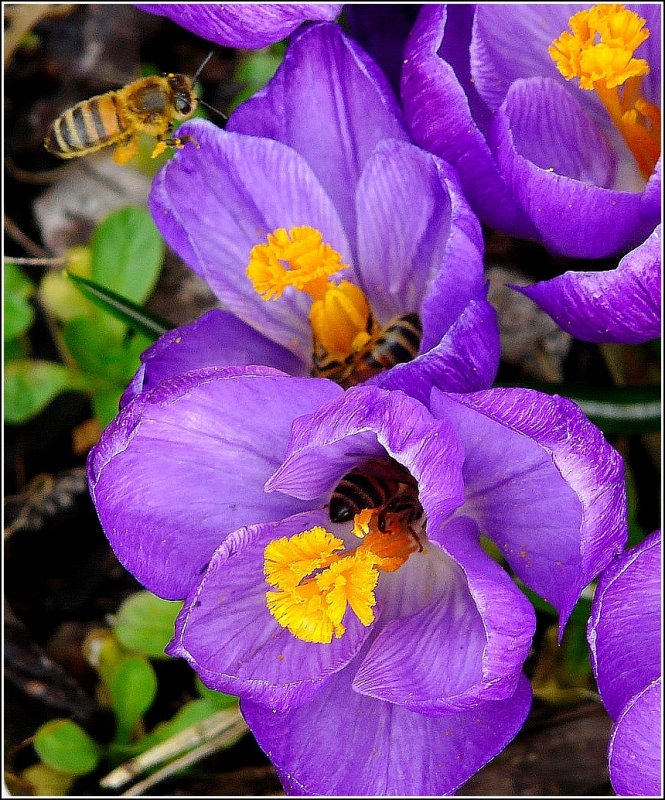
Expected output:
(599, 52)
(298, 257)
(361, 522)
(290, 559)
(315, 585)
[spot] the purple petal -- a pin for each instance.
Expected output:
(216, 339)
(419, 245)
(558, 167)
(510, 42)
(368, 422)
(636, 745)
(440, 120)
(624, 630)
(465, 360)
(543, 483)
(651, 49)
(184, 464)
(229, 637)
(466, 645)
(332, 105)
(619, 305)
(347, 744)
(650, 208)
(246, 25)
(213, 203)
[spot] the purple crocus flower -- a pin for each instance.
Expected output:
(494, 90)
(244, 25)
(383, 654)
(320, 226)
(624, 634)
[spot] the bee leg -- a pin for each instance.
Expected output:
(172, 141)
(126, 151)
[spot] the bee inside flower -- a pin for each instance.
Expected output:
(349, 345)
(317, 577)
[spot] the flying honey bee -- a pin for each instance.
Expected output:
(398, 342)
(393, 492)
(149, 105)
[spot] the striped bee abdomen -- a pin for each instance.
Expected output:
(87, 126)
(357, 491)
(399, 342)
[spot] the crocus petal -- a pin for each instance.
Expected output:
(184, 464)
(651, 49)
(510, 42)
(332, 105)
(635, 746)
(624, 630)
(368, 422)
(468, 642)
(441, 121)
(247, 25)
(557, 165)
(216, 339)
(465, 360)
(419, 245)
(543, 483)
(650, 207)
(214, 202)
(347, 744)
(620, 305)
(228, 635)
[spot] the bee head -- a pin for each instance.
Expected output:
(183, 98)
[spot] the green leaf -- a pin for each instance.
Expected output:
(145, 623)
(19, 313)
(133, 687)
(255, 70)
(121, 308)
(16, 348)
(105, 349)
(30, 385)
(46, 781)
(575, 653)
(66, 747)
(105, 405)
(127, 253)
(16, 282)
(614, 409)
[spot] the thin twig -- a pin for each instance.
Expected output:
(227, 739)
(226, 723)
(42, 177)
(25, 241)
(56, 261)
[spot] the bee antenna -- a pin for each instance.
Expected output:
(212, 108)
(200, 69)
